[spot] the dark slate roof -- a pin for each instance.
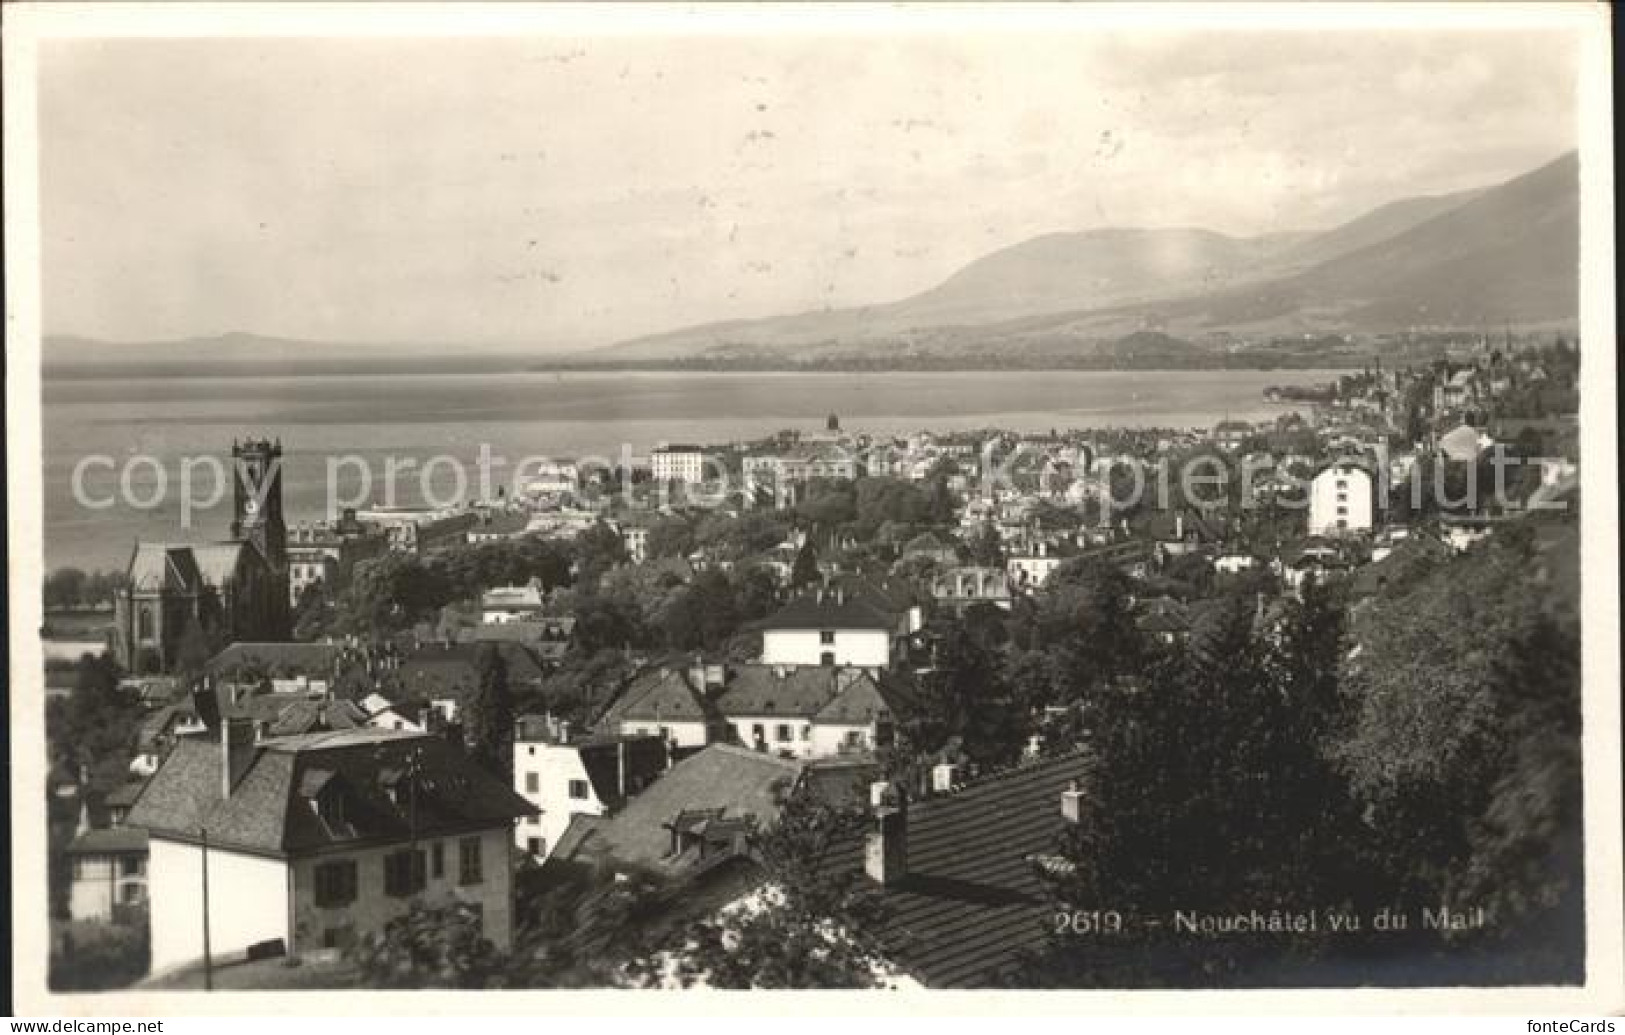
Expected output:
(109, 841)
(738, 782)
(124, 795)
(267, 812)
(971, 903)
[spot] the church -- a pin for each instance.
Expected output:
(231, 590)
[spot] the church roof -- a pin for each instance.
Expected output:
(157, 566)
(217, 562)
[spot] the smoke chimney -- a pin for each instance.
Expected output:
(1072, 803)
(944, 777)
(236, 752)
(885, 849)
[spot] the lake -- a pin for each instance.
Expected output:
(524, 414)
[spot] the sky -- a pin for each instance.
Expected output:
(557, 192)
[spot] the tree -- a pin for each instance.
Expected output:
(598, 549)
(805, 571)
(670, 537)
(436, 946)
(64, 589)
(489, 710)
(809, 926)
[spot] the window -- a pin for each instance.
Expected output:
(826, 636)
(536, 845)
(533, 783)
(335, 883)
(806, 732)
(130, 894)
(130, 866)
(437, 859)
(757, 731)
(579, 790)
(403, 873)
(783, 734)
(468, 861)
(854, 738)
(827, 658)
(145, 624)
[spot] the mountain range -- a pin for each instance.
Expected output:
(1505, 256)
(1502, 256)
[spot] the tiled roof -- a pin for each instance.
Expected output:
(860, 700)
(449, 671)
(777, 690)
(307, 715)
(657, 695)
(266, 813)
(739, 782)
(298, 659)
(971, 903)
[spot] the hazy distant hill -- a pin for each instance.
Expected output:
(239, 353)
(1500, 255)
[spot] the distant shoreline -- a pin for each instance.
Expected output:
(330, 369)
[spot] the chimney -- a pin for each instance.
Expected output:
(564, 731)
(620, 768)
(1072, 803)
(1179, 525)
(885, 850)
(944, 777)
(236, 752)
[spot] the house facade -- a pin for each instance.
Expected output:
(565, 777)
(1341, 501)
(312, 841)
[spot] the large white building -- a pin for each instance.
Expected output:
(1341, 500)
(672, 463)
(315, 840)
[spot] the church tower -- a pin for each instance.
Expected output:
(257, 500)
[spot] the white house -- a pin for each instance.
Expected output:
(809, 712)
(1341, 500)
(585, 776)
(673, 704)
(107, 858)
(311, 841)
(831, 626)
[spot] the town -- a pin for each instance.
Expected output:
(831, 709)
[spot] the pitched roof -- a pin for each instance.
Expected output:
(860, 700)
(729, 782)
(449, 671)
(307, 716)
(972, 903)
(268, 813)
(156, 566)
(307, 659)
(662, 694)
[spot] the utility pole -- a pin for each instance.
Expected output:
(208, 959)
